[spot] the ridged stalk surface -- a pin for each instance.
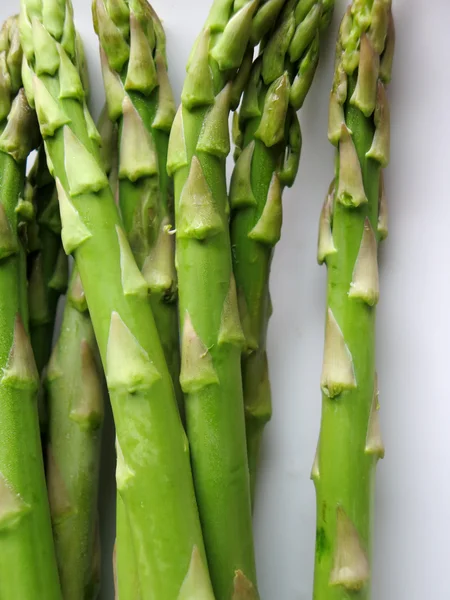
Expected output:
(27, 556)
(353, 220)
(75, 404)
(268, 144)
(153, 469)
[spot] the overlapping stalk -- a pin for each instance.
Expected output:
(144, 109)
(75, 403)
(47, 262)
(47, 268)
(211, 332)
(27, 557)
(73, 395)
(268, 138)
(124, 560)
(352, 222)
(153, 471)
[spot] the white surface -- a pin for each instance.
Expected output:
(411, 556)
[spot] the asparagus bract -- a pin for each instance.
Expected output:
(352, 223)
(75, 402)
(212, 336)
(27, 557)
(268, 138)
(144, 112)
(153, 469)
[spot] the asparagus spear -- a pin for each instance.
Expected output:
(75, 400)
(47, 267)
(145, 115)
(27, 557)
(145, 196)
(153, 470)
(47, 262)
(124, 558)
(352, 223)
(268, 151)
(212, 337)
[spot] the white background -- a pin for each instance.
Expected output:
(411, 554)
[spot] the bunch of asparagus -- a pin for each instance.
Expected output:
(27, 565)
(167, 303)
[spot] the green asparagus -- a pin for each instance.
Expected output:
(153, 473)
(75, 402)
(145, 112)
(27, 564)
(353, 220)
(145, 196)
(93, 585)
(124, 560)
(268, 143)
(47, 262)
(212, 336)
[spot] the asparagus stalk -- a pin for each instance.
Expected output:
(124, 558)
(75, 401)
(92, 589)
(47, 262)
(145, 115)
(351, 225)
(268, 140)
(48, 265)
(27, 557)
(212, 337)
(126, 578)
(153, 469)
(47, 268)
